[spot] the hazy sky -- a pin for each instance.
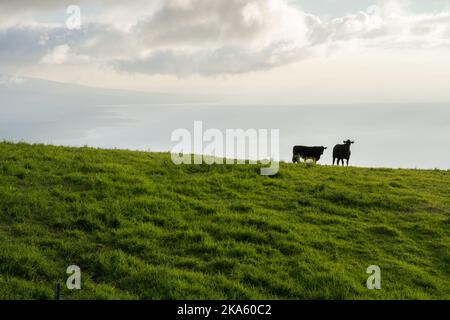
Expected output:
(246, 51)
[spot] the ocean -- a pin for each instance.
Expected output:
(388, 135)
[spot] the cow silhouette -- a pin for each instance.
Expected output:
(342, 152)
(305, 153)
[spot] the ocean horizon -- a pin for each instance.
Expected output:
(382, 132)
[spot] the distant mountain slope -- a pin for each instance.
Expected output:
(35, 93)
(140, 227)
(45, 111)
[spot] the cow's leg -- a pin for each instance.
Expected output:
(347, 161)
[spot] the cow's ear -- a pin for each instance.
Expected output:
(353, 141)
(345, 141)
(325, 148)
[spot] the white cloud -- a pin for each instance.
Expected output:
(58, 55)
(212, 37)
(6, 80)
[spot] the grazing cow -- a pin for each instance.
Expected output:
(342, 152)
(306, 153)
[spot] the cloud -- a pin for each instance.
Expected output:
(6, 80)
(58, 55)
(218, 37)
(209, 37)
(224, 60)
(62, 54)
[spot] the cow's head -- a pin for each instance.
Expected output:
(321, 149)
(349, 142)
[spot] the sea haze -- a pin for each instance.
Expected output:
(396, 135)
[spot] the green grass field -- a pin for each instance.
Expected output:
(142, 228)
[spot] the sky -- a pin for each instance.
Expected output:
(236, 51)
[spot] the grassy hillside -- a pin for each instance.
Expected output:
(141, 227)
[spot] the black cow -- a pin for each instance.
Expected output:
(342, 151)
(306, 153)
